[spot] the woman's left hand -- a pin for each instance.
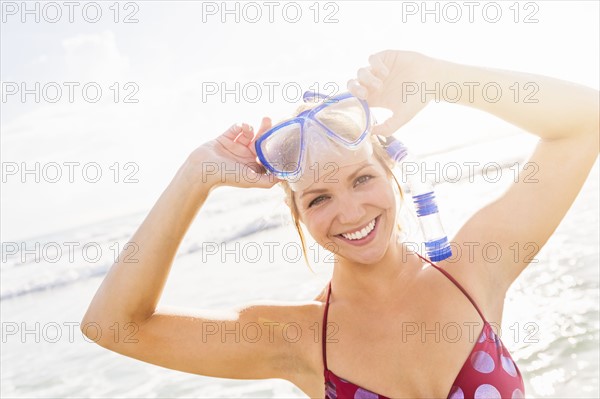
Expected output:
(395, 80)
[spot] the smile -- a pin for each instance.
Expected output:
(363, 235)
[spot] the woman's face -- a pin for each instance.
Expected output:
(351, 211)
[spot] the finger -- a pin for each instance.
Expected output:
(356, 89)
(378, 65)
(367, 79)
(390, 126)
(256, 166)
(245, 136)
(265, 125)
(233, 131)
(258, 160)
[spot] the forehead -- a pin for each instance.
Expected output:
(328, 162)
(329, 176)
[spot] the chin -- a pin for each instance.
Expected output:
(366, 257)
(370, 260)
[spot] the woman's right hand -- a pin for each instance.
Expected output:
(230, 159)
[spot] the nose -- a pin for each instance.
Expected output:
(351, 212)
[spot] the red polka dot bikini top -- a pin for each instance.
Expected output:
(489, 371)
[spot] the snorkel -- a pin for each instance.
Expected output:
(421, 190)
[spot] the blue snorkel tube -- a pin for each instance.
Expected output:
(437, 245)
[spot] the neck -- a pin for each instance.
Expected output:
(383, 280)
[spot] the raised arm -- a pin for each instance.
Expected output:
(189, 341)
(564, 115)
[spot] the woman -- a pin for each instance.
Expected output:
(380, 291)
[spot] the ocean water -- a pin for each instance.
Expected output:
(551, 316)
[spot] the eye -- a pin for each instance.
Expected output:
(363, 178)
(317, 200)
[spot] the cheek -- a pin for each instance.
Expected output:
(318, 222)
(384, 196)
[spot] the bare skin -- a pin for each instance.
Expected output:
(379, 290)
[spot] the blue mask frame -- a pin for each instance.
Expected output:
(301, 119)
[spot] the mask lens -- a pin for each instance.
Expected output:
(282, 148)
(346, 118)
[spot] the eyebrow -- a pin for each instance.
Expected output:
(322, 190)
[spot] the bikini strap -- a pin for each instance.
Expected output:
(457, 284)
(324, 328)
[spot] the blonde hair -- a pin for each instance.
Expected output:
(379, 153)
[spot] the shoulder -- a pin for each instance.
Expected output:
(283, 315)
(478, 282)
(296, 326)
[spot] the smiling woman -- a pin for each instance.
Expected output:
(339, 186)
(354, 162)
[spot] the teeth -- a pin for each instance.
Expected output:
(357, 235)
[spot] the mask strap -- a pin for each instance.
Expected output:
(310, 96)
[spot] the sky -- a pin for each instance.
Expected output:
(162, 69)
